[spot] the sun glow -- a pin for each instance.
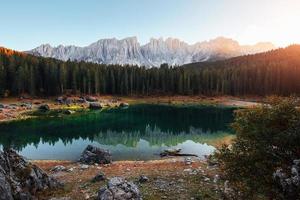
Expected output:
(279, 23)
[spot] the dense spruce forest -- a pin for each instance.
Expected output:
(274, 72)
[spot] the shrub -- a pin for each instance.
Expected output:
(268, 138)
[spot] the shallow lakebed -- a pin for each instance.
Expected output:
(139, 132)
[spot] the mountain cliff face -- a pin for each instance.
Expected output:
(156, 52)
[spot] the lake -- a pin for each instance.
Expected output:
(139, 132)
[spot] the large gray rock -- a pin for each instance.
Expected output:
(289, 181)
(91, 99)
(119, 189)
(5, 189)
(60, 100)
(26, 105)
(20, 179)
(92, 155)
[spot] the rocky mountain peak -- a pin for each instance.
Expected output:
(158, 51)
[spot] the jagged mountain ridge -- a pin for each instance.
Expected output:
(158, 51)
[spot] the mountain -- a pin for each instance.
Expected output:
(156, 52)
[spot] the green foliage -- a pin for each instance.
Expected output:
(275, 72)
(267, 138)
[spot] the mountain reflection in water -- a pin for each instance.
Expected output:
(137, 133)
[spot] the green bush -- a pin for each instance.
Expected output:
(268, 138)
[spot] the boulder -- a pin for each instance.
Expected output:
(60, 100)
(81, 100)
(143, 179)
(2, 105)
(91, 99)
(119, 189)
(99, 177)
(44, 107)
(83, 167)
(92, 155)
(69, 101)
(12, 106)
(20, 179)
(58, 168)
(5, 188)
(68, 112)
(188, 161)
(123, 104)
(26, 105)
(95, 106)
(70, 169)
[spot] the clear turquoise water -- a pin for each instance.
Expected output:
(139, 132)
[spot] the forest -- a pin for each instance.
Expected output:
(275, 72)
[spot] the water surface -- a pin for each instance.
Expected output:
(139, 132)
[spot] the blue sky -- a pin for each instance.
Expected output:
(29, 23)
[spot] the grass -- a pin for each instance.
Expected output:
(167, 179)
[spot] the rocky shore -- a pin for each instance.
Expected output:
(23, 107)
(172, 178)
(96, 176)
(20, 179)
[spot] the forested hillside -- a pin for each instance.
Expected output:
(274, 72)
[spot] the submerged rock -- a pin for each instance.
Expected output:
(119, 189)
(92, 155)
(20, 179)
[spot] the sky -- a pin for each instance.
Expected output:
(27, 24)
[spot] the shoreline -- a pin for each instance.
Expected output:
(171, 178)
(14, 109)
